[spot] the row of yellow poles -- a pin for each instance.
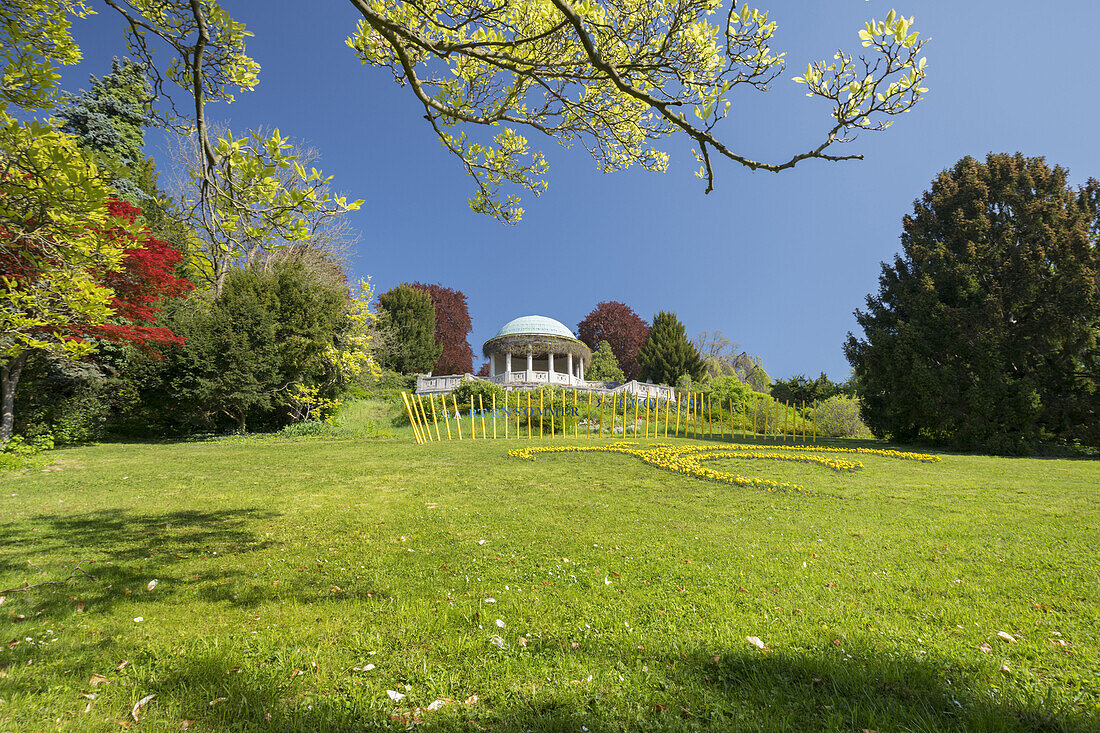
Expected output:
(698, 413)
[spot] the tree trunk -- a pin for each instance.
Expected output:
(9, 379)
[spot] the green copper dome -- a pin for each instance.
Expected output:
(534, 326)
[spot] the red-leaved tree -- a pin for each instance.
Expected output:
(622, 328)
(147, 275)
(452, 329)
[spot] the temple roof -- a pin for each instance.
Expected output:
(534, 326)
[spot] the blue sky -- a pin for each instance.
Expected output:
(777, 262)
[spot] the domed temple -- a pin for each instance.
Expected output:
(535, 351)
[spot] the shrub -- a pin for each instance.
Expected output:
(839, 417)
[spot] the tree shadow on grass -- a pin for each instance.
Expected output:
(735, 690)
(124, 552)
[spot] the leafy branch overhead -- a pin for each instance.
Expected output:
(616, 76)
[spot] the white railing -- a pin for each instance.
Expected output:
(426, 384)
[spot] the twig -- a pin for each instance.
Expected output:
(75, 570)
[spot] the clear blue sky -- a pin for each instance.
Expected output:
(777, 262)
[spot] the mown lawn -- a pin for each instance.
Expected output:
(621, 596)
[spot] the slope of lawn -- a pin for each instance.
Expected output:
(585, 592)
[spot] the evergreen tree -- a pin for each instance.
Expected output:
(452, 329)
(604, 367)
(110, 119)
(408, 313)
(667, 354)
(984, 332)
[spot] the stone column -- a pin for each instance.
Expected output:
(582, 370)
(550, 367)
(492, 364)
(569, 366)
(507, 364)
(530, 365)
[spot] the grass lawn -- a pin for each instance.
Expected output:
(575, 592)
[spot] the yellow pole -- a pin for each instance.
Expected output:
(458, 417)
(495, 416)
(588, 417)
(435, 421)
(666, 414)
(626, 407)
(528, 414)
(755, 401)
(679, 404)
(506, 414)
(603, 403)
(519, 398)
(481, 405)
(815, 421)
(541, 411)
(635, 416)
(803, 421)
(551, 412)
(575, 421)
(408, 409)
(767, 413)
(424, 417)
(446, 422)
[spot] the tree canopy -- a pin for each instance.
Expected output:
(623, 330)
(667, 354)
(409, 315)
(984, 331)
(604, 366)
(452, 329)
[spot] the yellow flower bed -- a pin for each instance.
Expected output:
(688, 459)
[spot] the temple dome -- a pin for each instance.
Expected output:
(534, 326)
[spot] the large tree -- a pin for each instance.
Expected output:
(409, 317)
(622, 328)
(667, 354)
(617, 77)
(984, 330)
(452, 329)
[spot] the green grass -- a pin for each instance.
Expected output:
(282, 565)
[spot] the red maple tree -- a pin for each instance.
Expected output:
(622, 328)
(146, 277)
(452, 328)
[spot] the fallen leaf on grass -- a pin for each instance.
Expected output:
(186, 724)
(437, 704)
(367, 668)
(986, 648)
(97, 680)
(88, 708)
(295, 673)
(1006, 636)
(121, 665)
(13, 643)
(1041, 607)
(522, 641)
(755, 641)
(152, 584)
(80, 607)
(216, 700)
(497, 641)
(395, 695)
(139, 705)
(89, 695)
(718, 657)
(1005, 669)
(1058, 642)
